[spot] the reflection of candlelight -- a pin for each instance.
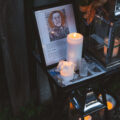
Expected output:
(109, 105)
(74, 47)
(71, 106)
(110, 101)
(115, 47)
(87, 118)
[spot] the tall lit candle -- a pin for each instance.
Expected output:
(115, 49)
(74, 47)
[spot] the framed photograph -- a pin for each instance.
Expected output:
(54, 24)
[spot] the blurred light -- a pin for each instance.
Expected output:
(87, 118)
(109, 105)
(110, 101)
(71, 106)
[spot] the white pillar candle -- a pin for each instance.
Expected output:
(74, 47)
(115, 49)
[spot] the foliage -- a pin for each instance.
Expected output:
(28, 112)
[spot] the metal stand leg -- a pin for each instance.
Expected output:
(105, 103)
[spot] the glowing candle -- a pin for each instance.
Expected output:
(74, 47)
(115, 49)
(87, 118)
(71, 106)
(110, 106)
(110, 101)
(67, 70)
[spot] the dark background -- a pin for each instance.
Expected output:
(22, 81)
(18, 81)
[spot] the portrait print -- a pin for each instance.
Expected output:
(57, 25)
(53, 25)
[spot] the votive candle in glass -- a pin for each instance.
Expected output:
(115, 47)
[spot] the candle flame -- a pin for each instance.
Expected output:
(74, 34)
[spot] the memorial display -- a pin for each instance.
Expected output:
(62, 46)
(54, 24)
(66, 63)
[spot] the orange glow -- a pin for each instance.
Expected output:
(71, 106)
(75, 39)
(109, 105)
(115, 49)
(75, 36)
(87, 118)
(67, 69)
(99, 95)
(90, 10)
(65, 73)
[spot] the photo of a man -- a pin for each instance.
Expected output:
(54, 24)
(57, 25)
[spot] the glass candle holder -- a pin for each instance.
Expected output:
(115, 48)
(83, 68)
